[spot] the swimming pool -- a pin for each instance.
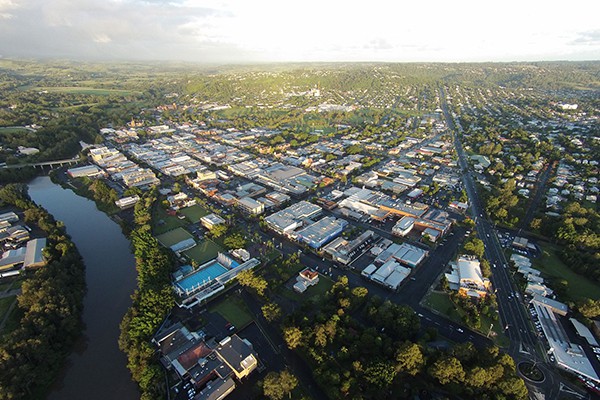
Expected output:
(202, 276)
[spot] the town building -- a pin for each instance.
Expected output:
(407, 254)
(467, 279)
(404, 226)
(209, 366)
(344, 251)
(90, 171)
(127, 202)
(251, 206)
(292, 217)
(321, 232)
(211, 220)
(306, 278)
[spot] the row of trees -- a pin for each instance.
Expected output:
(50, 308)
(152, 301)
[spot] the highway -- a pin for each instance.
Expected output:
(524, 342)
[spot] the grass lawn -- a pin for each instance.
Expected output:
(204, 251)
(5, 286)
(313, 291)
(169, 222)
(233, 310)
(441, 303)
(9, 130)
(5, 305)
(579, 286)
(13, 321)
(170, 238)
(194, 213)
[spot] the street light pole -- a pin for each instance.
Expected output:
(490, 330)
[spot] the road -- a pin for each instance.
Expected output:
(524, 343)
(410, 293)
(539, 192)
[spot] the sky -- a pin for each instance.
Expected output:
(248, 31)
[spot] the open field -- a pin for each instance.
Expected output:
(175, 236)
(194, 213)
(579, 286)
(234, 311)
(204, 251)
(86, 90)
(162, 222)
(441, 303)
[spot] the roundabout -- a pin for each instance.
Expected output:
(531, 372)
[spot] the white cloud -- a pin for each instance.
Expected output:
(102, 38)
(264, 30)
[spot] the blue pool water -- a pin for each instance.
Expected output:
(203, 275)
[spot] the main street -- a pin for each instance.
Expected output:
(524, 343)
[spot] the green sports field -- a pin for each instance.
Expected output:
(175, 236)
(194, 213)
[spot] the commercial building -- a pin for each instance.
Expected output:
(278, 198)
(251, 206)
(555, 306)
(344, 251)
(409, 255)
(292, 217)
(539, 289)
(127, 202)
(569, 356)
(139, 177)
(9, 217)
(404, 226)
(90, 171)
(238, 354)
(28, 256)
(466, 277)
(321, 232)
(211, 220)
(34, 256)
(207, 366)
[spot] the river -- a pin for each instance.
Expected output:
(96, 369)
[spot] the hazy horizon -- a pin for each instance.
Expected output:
(266, 31)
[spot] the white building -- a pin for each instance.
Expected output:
(466, 277)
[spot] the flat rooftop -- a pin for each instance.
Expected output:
(569, 356)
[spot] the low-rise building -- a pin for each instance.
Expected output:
(466, 277)
(251, 206)
(211, 220)
(321, 232)
(90, 171)
(404, 226)
(555, 306)
(208, 365)
(238, 354)
(292, 217)
(344, 251)
(127, 202)
(34, 256)
(307, 277)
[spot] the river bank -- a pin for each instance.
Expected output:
(97, 368)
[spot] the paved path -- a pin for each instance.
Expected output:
(9, 293)
(296, 364)
(8, 312)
